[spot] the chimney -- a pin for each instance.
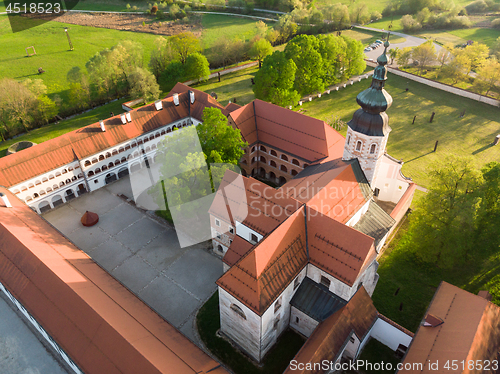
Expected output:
(5, 200)
(159, 105)
(103, 128)
(128, 116)
(176, 99)
(123, 118)
(191, 96)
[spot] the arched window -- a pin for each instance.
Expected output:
(284, 158)
(157, 135)
(62, 183)
(162, 132)
(31, 185)
(262, 159)
(104, 167)
(16, 191)
(263, 149)
(101, 157)
(55, 187)
(235, 308)
(51, 176)
(121, 149)
(115, 152)
(253, 149)
(134, 144)
(98, 170)
(110, 165)
(123, 159)
(305, 165)
(44, 179)
(283, 168)
(295, 162)
(152, 137)
(37, 183)
(94, 160)
(64, 171)
(294, 172)
(108, 154)
(117, 162)
(87, 163)
(272, 164)
(358, 145)
(372, 148)
(273, 153)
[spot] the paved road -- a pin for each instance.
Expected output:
(411, 41)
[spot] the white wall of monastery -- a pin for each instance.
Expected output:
(246, 232)
(389, 182)
(301, 322)
(388, 335)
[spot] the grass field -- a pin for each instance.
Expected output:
(48, 132)
(368, 37)
(215, 26)
(385, 22)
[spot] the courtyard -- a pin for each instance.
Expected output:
(142, 252)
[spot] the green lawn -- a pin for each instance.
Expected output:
(385, 22)
(368, 37)
(276, 361)
(48, 132)
(52, 51)
(215, 26)
(417, 283)
(478, 35)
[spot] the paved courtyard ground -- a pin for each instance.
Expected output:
(142, 252)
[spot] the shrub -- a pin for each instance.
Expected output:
(154, 9)
(134, 8)
(496, 23)
(410, 24)
(375, 16)
(128, 6)
(478, 6)
(143, 23)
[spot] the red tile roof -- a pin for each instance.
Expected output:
(90, 140)
(338, 249)
(100, 324)
(252, 203)
(335, 188)
(329, 337)
(470, 331)
(238, 248)
(292, 132)
(263, 273)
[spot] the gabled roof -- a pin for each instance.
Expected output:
(329, 337)
(338, 249)
(263, 273)
(90, 140)
(335, 188)
(100, 324)
(316, 300)
(252, 203)
(375, 222)
(470, 330)
(292, 132)
(202, 100)
(238, 248)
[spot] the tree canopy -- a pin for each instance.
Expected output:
(260, 49)
(184, 44)
(275, 81)
(196, 67)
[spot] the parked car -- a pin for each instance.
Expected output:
(368, 49)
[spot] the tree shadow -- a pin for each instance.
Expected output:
(416, 158)
(482, 149)
(26, 76)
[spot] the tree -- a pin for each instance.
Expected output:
(79, 95)
(221, 51)
(394, 53)
(219, 141)
(260, 49)
(445, 55)
(171, 75)
(360, 14)
(442, 227)
(46, 109)
(304, 51)
(21, 104)
(286, 27)
(185, 44)
(488, 221)
(354, 63)
(410, 24)
(161, 56)
(143, 84)
(453, 71)
(196, 67)
(333, 52)
(489, 74)
(425, 54)
(262, 29)
(274, 82)
(473, 56)
(338, 13)
(404, 56)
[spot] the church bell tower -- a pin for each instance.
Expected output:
(368, 130)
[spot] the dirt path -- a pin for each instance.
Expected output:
(132, 22)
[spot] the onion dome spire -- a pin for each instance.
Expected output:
(371, 119)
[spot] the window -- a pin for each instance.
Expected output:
(325, 282)
(296, 283)
(218, 235)
(283, 168)
(276, 323)
(294, 172)
(376, 192)
(352, 339)
(372, 148)
(263, 149)
(295, 162)
(217, 223)
(273, 153)
(297, 320)
(231, 229)
(87, 163)
(238, 311)
(305, 165)
(272, 164)
(253, 149)
(348, 139)
(96, 181)
(253, 238)
(358, 145)
(277, 305)
(101, 157)
(284, 158)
